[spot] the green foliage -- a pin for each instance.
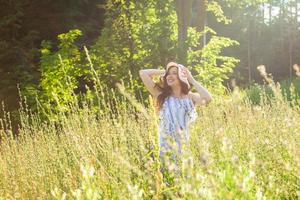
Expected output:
(210, 66)
(243, 3)
(291, 89)
(136, 35)
(257, 94)
(288, 90)
(60, 70)
(140, 34)
(147, 37)
(23, 25)
(217, 10)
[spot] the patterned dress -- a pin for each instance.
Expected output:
(175, 116)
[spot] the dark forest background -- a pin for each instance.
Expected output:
(24, 24)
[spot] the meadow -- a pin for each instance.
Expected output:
(237, 150)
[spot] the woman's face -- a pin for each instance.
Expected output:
(172, 77)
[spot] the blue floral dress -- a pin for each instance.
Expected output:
(175, 116)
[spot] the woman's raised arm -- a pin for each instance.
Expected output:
(146, 76)
(202, 96)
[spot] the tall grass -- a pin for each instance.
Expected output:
(236, 151)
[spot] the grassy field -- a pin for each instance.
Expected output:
(236, 151)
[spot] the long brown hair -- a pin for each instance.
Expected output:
(167, 90)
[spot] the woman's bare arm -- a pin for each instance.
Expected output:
(202, 96)
(146, 76)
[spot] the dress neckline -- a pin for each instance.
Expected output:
(179, 97)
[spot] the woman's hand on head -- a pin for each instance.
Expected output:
(146, 76)
(189, 76)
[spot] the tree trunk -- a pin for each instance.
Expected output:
(292, 31)
(183, 10)
(270, 13)
(129, 36)
(249, 50)
(200, 19)
(296, 11)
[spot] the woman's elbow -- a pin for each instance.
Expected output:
(208, 99)
(204, 100)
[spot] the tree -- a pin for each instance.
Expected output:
(270, 37)
(203, 56)
(190, 13)
(137, 34)
(23, 26)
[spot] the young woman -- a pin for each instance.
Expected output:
(176, 103)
